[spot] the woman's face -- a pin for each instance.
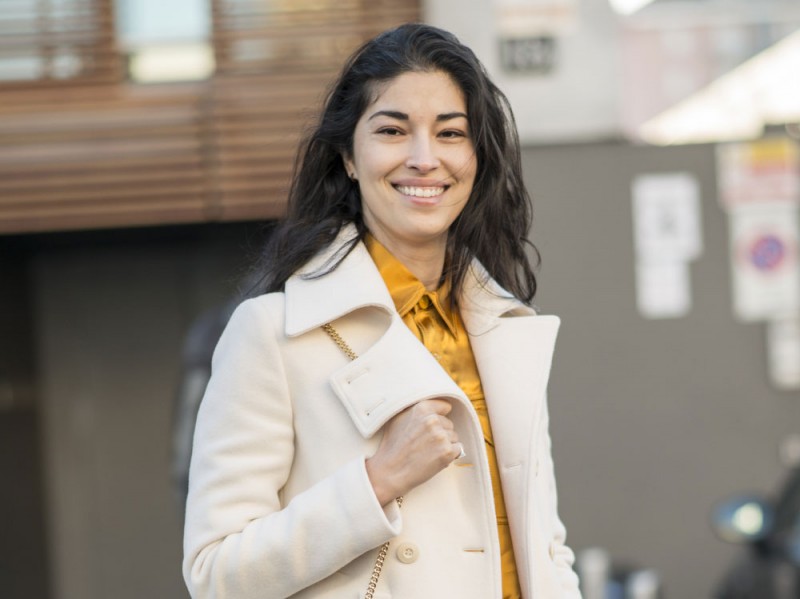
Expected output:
(414, 161)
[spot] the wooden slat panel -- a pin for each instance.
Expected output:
(98, 217)
(248, 134)
(90, 179)
(128, 166)
(140, 158)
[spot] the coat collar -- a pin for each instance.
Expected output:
(312, 301)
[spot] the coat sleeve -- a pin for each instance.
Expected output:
(561, 555)
(240, 541)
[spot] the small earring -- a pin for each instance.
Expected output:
(352, 176)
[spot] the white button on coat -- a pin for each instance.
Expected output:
(407, 553)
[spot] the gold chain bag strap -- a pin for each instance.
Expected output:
(384, 550)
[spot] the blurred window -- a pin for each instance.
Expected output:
(165, 41)
(56, 41)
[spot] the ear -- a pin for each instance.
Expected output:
(350, 167)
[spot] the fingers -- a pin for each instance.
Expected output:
(445, 439)
(446, 423)
(440, 427)
(434, 406)
(435, 421)
(445, 436)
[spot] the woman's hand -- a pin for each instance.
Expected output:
(417, 443)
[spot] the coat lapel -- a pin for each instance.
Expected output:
(513, 349)
(313, 300)
(515, 382)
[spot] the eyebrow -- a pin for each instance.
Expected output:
(402, 116)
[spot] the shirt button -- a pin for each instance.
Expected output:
(424, 302)
(407, 553)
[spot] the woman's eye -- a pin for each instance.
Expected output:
(450, 133)
(390, 131)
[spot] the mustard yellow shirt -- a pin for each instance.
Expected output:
(428, 315)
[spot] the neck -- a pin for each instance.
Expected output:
(427, 270)
(424, 261)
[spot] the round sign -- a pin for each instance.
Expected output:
(767, 252)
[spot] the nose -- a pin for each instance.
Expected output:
(422, 155)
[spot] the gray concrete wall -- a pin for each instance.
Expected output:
(112, 315)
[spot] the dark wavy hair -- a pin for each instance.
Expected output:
(494, 225)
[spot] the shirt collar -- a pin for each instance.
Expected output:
(406, 289)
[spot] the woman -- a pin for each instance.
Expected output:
(406, 232)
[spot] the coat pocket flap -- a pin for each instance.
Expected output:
(393, 374)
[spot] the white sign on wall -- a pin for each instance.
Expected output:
(667, 237)
(666, 210)
(764, 260)
(663, 289)
(783, 343)
(767, 170)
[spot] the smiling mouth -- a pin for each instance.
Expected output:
(420, 192)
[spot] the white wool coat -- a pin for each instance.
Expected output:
(279, 502)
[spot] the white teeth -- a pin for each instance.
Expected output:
(420, 192)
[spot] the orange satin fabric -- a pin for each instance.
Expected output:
(428, 315)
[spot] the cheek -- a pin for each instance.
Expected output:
(465, 165)
(377, 163)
